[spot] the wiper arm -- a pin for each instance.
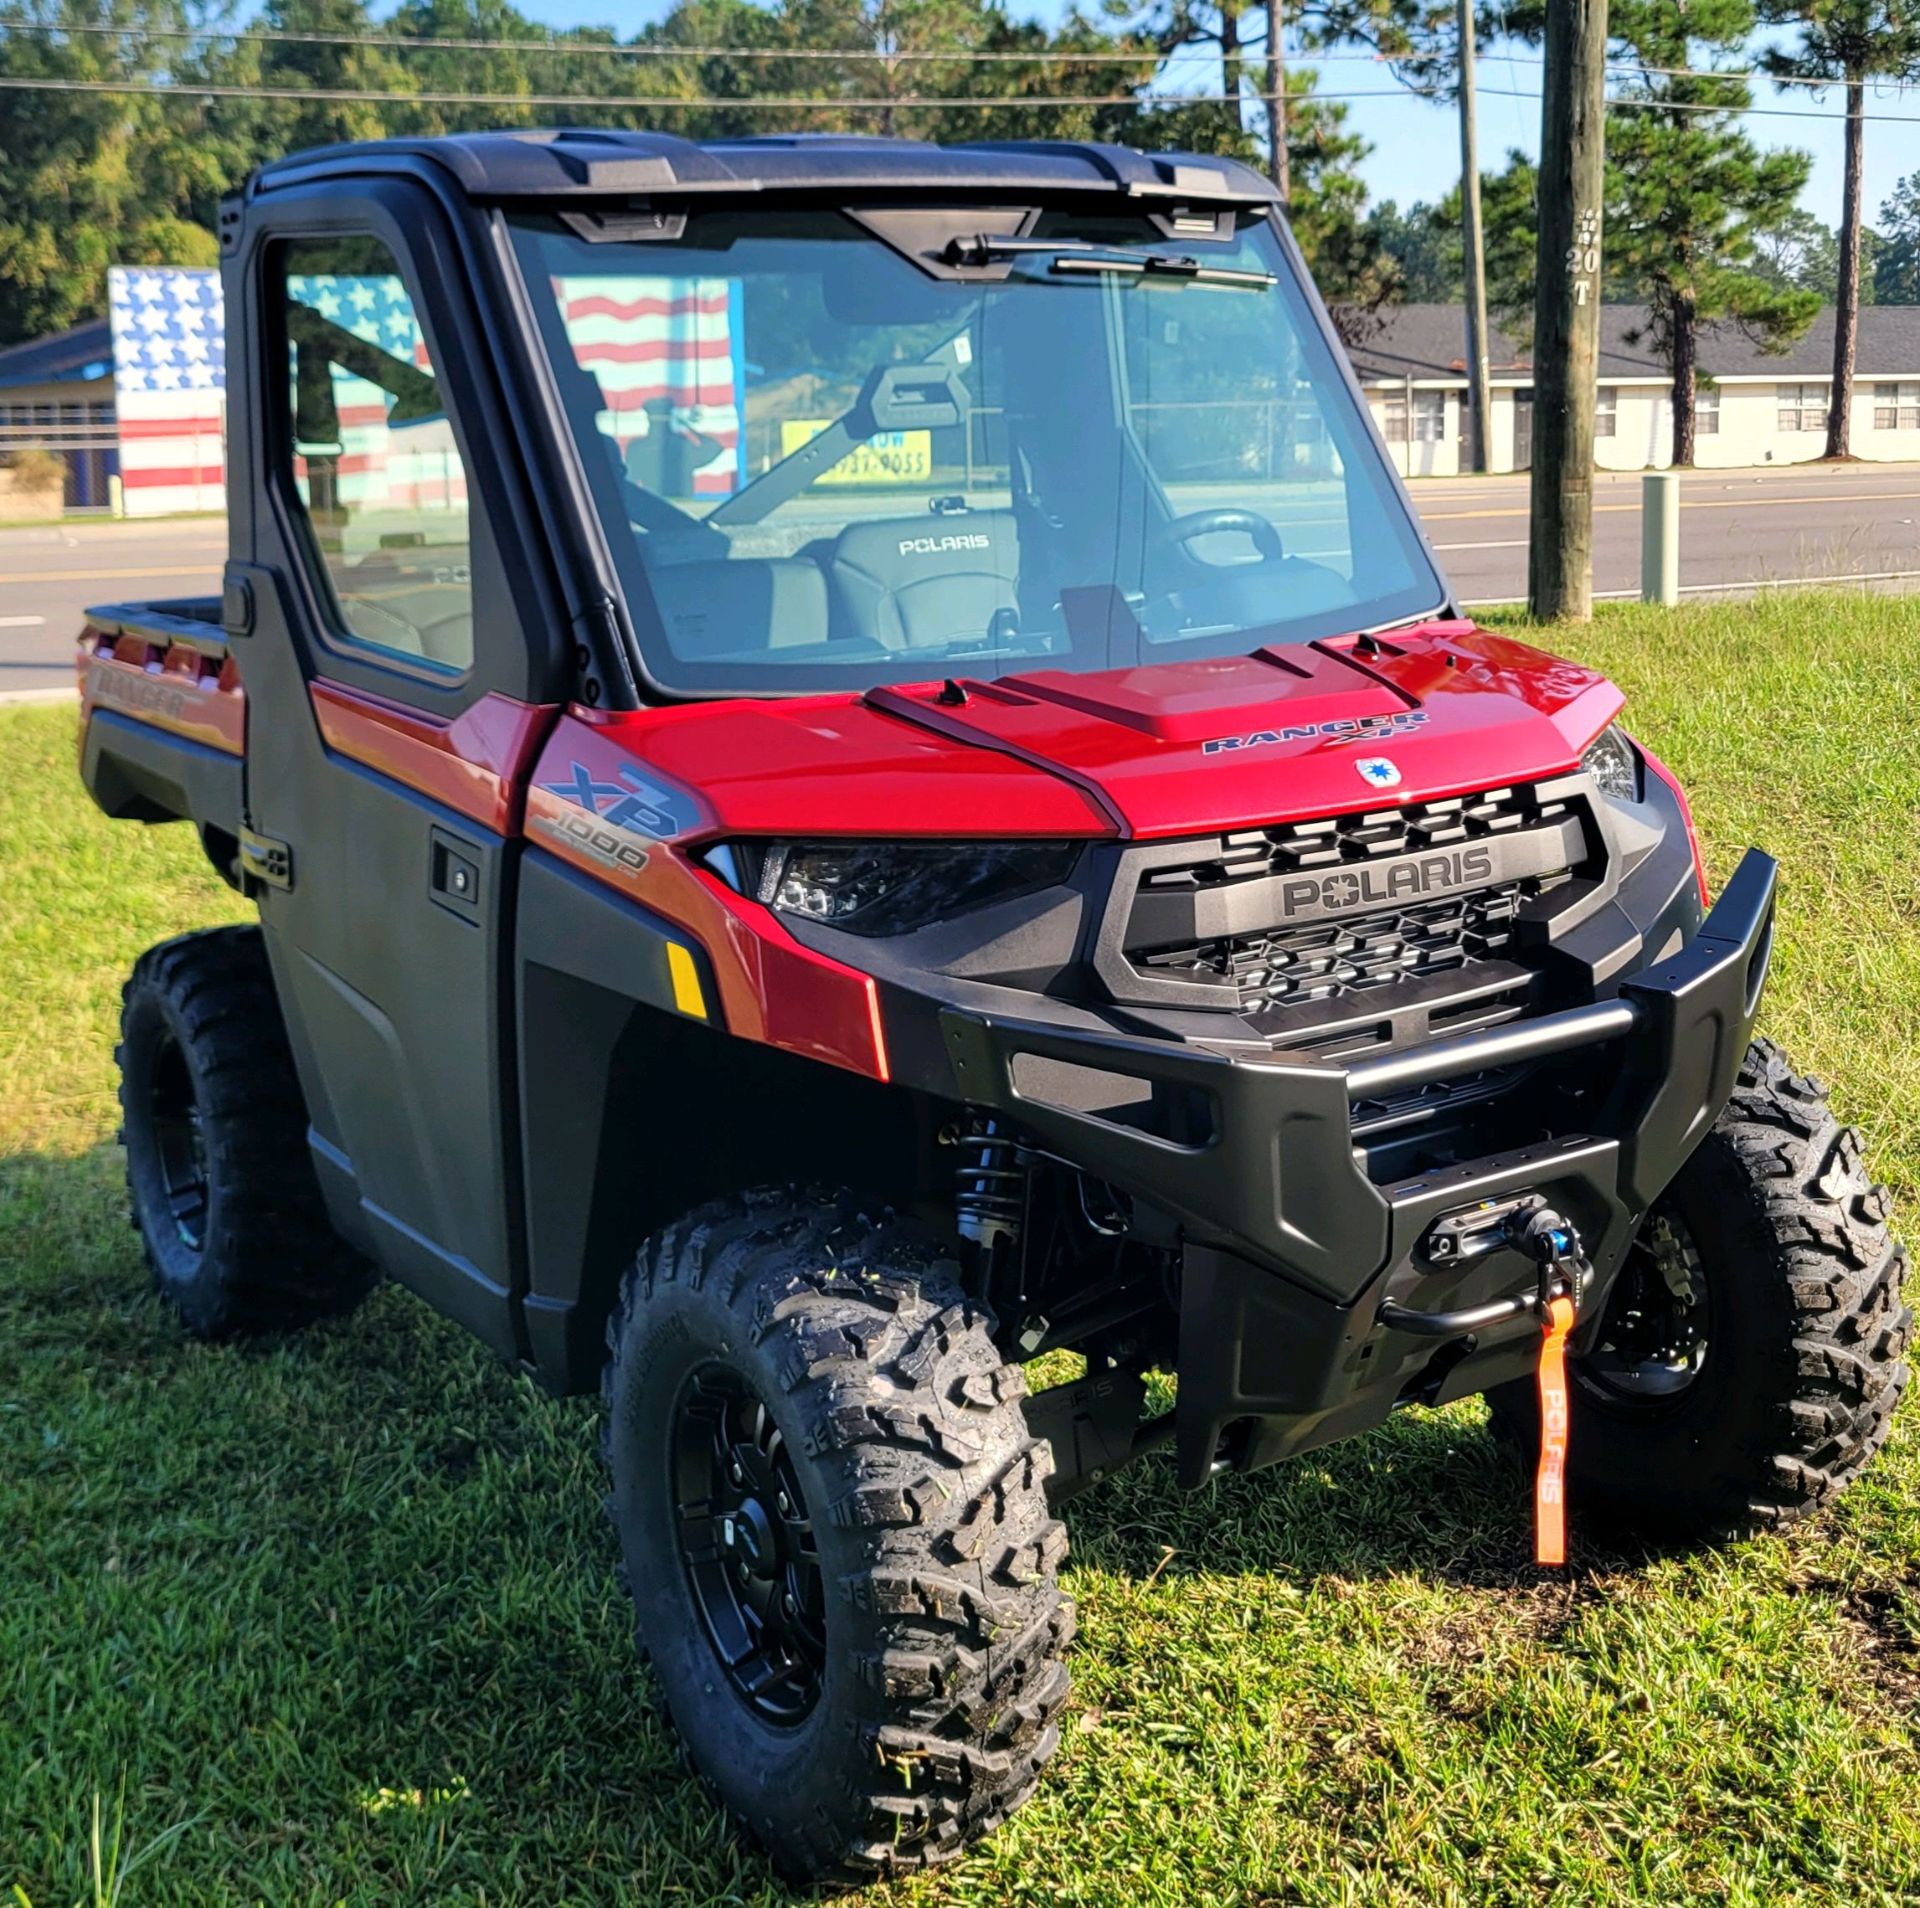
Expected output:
(1161, 265)
(1069, 256)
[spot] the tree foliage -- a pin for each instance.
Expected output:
(1422, 251)
(1846, 43)
(90, 178)
(1896, 263)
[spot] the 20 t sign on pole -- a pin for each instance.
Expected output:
(1566, 317)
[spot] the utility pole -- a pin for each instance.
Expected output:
(1278, 168)
(1566, 310)
(1473, 248)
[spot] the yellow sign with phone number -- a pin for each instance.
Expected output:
(888, 457)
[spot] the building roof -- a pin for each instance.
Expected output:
(571, 161)
(1430, 341)
(81, 355)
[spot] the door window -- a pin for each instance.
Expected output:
(372, 455)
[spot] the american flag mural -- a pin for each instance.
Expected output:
(170, 387)
(666, 354)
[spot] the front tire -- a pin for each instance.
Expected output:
(220, 1184)
(1754, 1344)
(835, 1532)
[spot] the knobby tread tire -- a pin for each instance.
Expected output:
(1807, 1335)
(270, 1260)
(945, 1624)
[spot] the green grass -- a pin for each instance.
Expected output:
(334, 1621)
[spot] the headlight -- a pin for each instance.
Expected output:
(1614, 764)
(888, 887)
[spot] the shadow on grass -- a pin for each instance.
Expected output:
(347, 1598)
(350, 1597)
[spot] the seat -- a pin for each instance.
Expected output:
(739, 606)
(924, 582)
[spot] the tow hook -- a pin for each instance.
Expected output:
(1526, 1223)
(1562, 1272)
(1554, 1246)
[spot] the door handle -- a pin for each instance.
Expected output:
(453, 874)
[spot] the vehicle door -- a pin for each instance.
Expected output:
(399, 676)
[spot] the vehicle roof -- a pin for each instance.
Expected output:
(577, 161)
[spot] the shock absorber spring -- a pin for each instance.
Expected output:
(990, 1185)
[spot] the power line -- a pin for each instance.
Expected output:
(549, 44)
(811, 102)
(554, 45)
(193, 89)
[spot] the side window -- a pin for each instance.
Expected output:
(373, 455)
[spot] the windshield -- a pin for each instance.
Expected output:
(822, 465)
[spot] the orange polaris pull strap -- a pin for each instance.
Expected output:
(1550, 1483)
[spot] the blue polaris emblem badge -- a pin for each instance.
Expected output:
(1379, 771)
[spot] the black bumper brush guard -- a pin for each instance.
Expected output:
(1315, 1299)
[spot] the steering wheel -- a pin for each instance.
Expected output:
(1261, 530)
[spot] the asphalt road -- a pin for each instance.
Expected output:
(1739, 531)
(50, 573)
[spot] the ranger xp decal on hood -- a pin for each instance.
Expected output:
(1367, 728)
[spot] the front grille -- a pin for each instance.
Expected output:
(1324, 959)
(1350, 839)
(1313, 927)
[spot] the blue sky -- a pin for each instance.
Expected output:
(1415, 145)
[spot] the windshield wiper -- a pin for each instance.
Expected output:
(1076, 256)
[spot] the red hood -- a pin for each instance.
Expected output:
(1165, 749)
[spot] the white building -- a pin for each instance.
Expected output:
(1752, 408)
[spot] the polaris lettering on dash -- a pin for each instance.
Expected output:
(936, 546)
(1386, 882)
(1346, 729)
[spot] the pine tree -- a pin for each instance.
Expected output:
(1846, 43)
(1688, 193)
(1691, 192)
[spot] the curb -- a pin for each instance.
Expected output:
(68, 694)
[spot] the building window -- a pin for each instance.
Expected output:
(1706, 411)
(1803, 407)
(1896, 407)
(1429, 417)
(1606, 412)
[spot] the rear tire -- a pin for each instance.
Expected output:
(1798, 1357)
(219, 1179)
(822, 1476)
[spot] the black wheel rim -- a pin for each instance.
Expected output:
(180, 1144)
(747, 1541)
(1653, 1341)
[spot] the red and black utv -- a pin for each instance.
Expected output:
(855, 770)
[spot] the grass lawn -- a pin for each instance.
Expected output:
(335, 1621)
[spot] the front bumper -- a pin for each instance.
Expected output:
(1290, 1247)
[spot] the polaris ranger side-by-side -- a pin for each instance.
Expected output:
(855, 770)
